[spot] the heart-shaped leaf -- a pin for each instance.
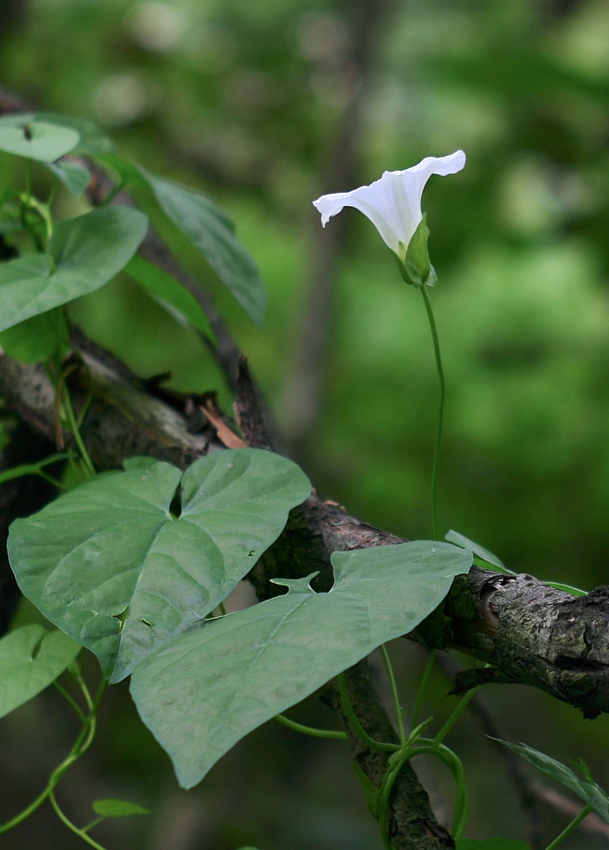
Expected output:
(28, 136)
(30, 659)
(585, 788)
(206, 690)
(111, 565)
(85, 253)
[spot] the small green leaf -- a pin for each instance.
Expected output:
(118, 808)
(479, 551)
(485, 555)
(27, 136)
(204, 691)
(42, 337)
(111, 565)
(492, 844)
(74, 177)
(30, 659)
(587, 790)
(416, 268)
(86, 252)
(166, 288)
(566, 588)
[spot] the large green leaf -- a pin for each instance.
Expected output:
(84, 254)
(206, 690)
(585, 788)
(30, 659)
(207, 227)
(28, 136)
(111, 565)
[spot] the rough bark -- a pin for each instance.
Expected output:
(534, 635)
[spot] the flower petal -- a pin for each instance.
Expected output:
(392, 203)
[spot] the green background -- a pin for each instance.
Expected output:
(253, 102)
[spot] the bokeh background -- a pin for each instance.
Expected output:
(266, 104)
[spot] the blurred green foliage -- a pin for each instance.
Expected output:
(244, 100)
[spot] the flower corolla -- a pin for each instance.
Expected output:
(393, 203)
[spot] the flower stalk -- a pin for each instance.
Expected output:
(393, 205)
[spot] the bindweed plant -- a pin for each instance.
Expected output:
(134, 564)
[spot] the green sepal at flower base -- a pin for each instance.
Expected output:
(416, 268)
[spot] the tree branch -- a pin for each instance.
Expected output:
(531, 634)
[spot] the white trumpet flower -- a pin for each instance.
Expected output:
(393, 203)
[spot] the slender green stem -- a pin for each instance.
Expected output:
(82, 743)
(33, 468)
(356, 725)
(89, 397)
(23, 815)
(418, 731)
(382, 822)
(423, 687)
(69, 699)
(456, 714)
(53, 780)
(309, 730)
(569, 829)
(112, 194)
(69, 410)
(45, 215)
(94, 822)
(49, 204)
(51, 480)
(454, 764)
(72, 826)
(28, 181)
(436, 454)
(396, 763)
(394, 692)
